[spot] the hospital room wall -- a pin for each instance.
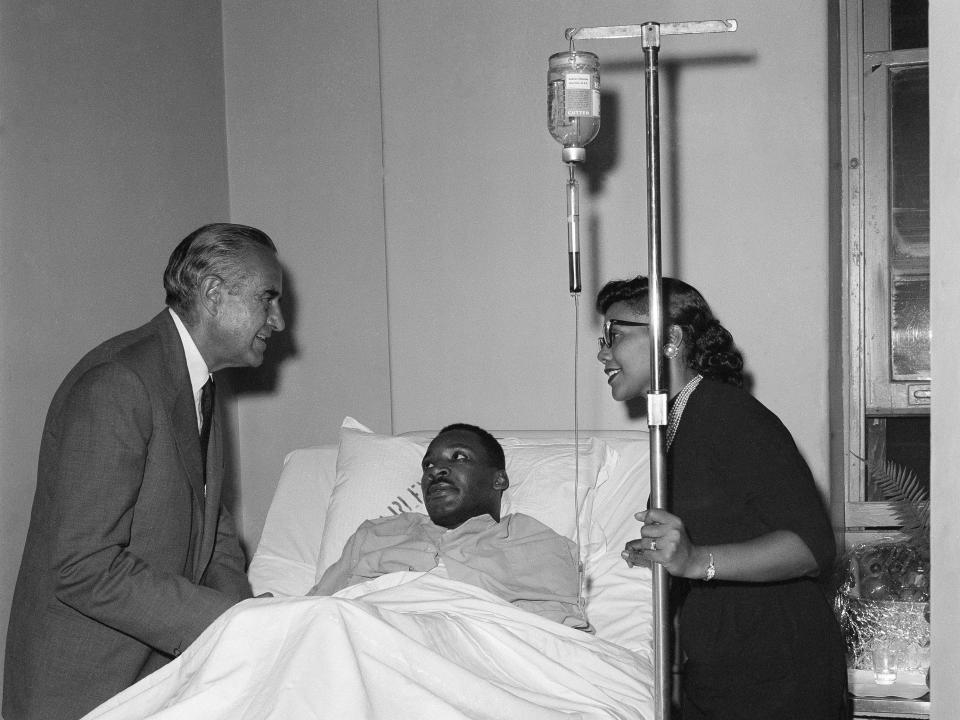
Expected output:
(481, 321)
(112, 148)
(304, 146)
(455, 205)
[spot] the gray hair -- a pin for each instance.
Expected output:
(219, 249)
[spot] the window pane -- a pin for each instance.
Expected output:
(908, 24)
(903, 439)
(909, 223)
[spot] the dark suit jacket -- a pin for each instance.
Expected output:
(126, 559)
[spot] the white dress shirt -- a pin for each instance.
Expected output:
(196, 365)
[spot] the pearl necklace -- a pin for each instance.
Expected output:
(678, 405)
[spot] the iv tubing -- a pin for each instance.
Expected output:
(581, 599)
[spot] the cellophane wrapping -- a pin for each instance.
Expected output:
(883, 599)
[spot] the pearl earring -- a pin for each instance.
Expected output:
(670, 350)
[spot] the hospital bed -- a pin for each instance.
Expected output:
(412, 645)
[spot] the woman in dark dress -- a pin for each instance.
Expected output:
(746, 529)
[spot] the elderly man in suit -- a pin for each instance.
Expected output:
(130, 554)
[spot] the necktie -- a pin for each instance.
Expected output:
(206, 419)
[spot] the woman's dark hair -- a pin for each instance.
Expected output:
(711, 350)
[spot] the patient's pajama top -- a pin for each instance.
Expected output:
(753, 650)
(518, 559)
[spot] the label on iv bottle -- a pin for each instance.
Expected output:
(581, 98)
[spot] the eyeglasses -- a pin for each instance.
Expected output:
(606, 340)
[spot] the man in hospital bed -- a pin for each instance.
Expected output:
(482, 628)
(464, 538)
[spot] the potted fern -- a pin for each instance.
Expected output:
(910, 500)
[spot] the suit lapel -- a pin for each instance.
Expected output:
(183, 409)
(188, 441)
(187, 438)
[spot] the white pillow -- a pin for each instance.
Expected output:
(286, 557)
(544, 475)
(619, 598)
(379, 475)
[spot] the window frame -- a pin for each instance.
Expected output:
(867, 390)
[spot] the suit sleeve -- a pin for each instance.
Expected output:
(105, 440)
(227, 569)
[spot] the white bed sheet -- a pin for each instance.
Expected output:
(406, 645)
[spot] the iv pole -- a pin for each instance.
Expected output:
(650, 34)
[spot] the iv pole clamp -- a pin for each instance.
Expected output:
(650, 34)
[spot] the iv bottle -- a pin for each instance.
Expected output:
(573, 101)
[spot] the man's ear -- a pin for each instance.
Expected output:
(211, 293)
(501, 481)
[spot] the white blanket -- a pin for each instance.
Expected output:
(407, 645)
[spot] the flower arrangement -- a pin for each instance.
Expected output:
(892, 571)
(883, 597)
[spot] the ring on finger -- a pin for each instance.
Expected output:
(653, 546)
